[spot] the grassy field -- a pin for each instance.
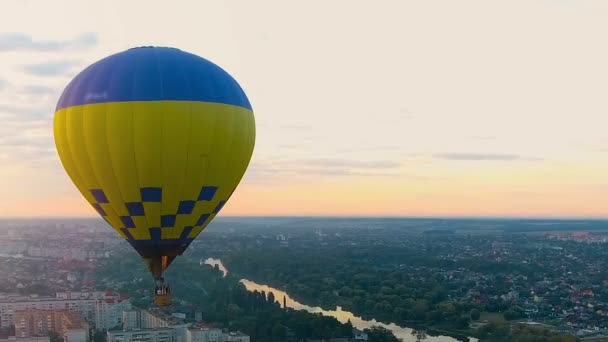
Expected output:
(492, 317)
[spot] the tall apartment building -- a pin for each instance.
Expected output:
(26, 339)
(131, 319)
(150, 319)
(205, 335)
(103, 310)
(236, 336)
(36, 322)
(108, 313)
(76, 335)
(145, 326)
(211, 334)
(142, 335)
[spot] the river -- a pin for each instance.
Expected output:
(405, 334)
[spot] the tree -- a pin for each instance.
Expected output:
(99, 336)
(463, 321)
(380, 334)
(475, 314)
(55, 337)
(513, 313)
(279, 333)
(347, 329)
(234, 311)
(6, 332)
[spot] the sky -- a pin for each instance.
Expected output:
(363, 108)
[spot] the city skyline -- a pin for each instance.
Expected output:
(391, 109)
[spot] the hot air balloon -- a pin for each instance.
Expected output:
(156, 139)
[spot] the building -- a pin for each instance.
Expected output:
(142, 335)
(76, 335)
(236, 336)
(9, 305)
(198, 316)
(359, 335)
(151, 319)
(131, 319)
(206, 334)
(109, 312)
(36, 322)
(26, 339)
(102, 309)
(146, 322)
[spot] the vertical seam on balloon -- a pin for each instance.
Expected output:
(248, 151)
(235, 112)
(71, 153)
(132, 113)
(88, 159)
(181, 190)
(250, 137)
(209, 169)
(244, 161)
(115, 178)
(211, 140)
(162, 116)
(211, 146)
(68, 146)
(62, 144)
(109, 210)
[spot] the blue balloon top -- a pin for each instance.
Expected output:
(153, 74)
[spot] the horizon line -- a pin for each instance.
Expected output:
(411, 217)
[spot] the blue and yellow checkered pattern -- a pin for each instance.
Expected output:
(155, 195)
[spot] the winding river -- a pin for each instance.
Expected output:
(405, 334)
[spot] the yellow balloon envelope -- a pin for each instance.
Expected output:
(156, 140)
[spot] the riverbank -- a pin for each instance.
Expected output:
(407, 334)
(412, 326)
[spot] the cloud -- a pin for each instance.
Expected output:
(35, 137)
(29, 151)
(406, 114)
(298, 127)
(379, 148)
(2, 84)
(23, 42)
(483, 157)
(483, 137)
(350, 164)
(291, 147)
(595, 187)
(23, 113)
(598, 149)
(39, 90)
(26, 135)
(286, 171)
(56, 68)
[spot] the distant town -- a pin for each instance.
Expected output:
(48, 292)
(485, 274)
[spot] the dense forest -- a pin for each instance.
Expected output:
(359, 280)
(376, 285)
(223, 301)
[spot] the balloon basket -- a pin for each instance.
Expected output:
(162, 293)
(162, 300)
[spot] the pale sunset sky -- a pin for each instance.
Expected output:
(363, 108)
